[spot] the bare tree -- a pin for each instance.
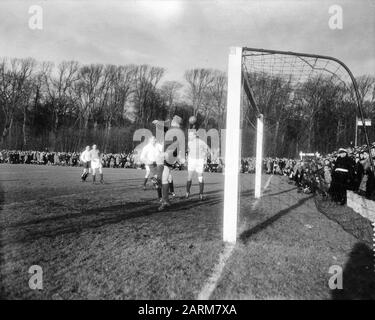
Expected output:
(59, 90)
(366, 89)
(170, 93)
(118, 88)
(87, 92)
(198, 81)
(146, 80)
(218, 94)
(14, 76)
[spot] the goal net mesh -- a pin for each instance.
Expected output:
(304, 99)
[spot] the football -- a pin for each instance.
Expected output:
(192, 119)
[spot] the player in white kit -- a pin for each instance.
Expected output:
(96, 163)
(85, 158)
(147, 175)
(152, 156)
(197, 155)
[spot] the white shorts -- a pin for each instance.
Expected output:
(196, 165)
(148, 170)
(96, 164)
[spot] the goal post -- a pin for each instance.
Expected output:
(296, 71)
(232, 145)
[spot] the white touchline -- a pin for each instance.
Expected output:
(211, 283)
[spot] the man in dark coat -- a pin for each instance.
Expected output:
(358, 174)
(343, 170)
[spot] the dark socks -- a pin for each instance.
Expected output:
(145, 182)
(159, 192)
(188, 186)
(201, 187)
(171, 187)
(165, 188)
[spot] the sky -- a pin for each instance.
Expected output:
(181, 34)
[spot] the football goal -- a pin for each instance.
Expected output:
(269, 84)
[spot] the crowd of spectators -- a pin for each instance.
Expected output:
(331, 175)
(110, 160)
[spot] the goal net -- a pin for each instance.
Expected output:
(278, 106)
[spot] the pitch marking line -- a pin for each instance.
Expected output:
(212, 282)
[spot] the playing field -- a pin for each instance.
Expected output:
(110, 242)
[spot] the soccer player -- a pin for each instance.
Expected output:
(152, 155)
(197, 155)
(147, 175)
(171, 156)
(96, 163)
(85, 157)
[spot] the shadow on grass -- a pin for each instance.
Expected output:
(278, 193)
(351, 221)
(94, 218)
(358, 275)
(246, 235)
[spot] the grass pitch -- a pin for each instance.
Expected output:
(110, 242)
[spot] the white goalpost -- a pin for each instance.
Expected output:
(232, 147)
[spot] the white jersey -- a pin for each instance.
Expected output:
(94, 154)
(152, 153)
(96, 161)
(85, 156)
(197, 149)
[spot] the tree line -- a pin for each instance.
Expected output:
(66, 106)
(314, 115)
(63, 107)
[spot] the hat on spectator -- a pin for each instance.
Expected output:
(176, 121)
(342, 150)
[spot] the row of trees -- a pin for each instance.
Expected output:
(317, 114)
(67, 106)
